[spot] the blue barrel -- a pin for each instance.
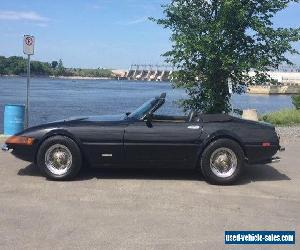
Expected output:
(13, 118)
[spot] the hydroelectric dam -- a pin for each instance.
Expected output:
(288, 78)
(145, 72)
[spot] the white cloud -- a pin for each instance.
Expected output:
(22, 15)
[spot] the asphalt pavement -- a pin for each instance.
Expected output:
(139, 209)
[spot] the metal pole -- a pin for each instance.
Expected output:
(27, 93)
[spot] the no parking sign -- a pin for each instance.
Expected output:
(28, 49)
(28, 45)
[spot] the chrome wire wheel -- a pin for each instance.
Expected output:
(58, 159)
(223, 162)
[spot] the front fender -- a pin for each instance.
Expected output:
(61, 132)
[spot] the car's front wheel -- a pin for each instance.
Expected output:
(222, 162)
(59, 158)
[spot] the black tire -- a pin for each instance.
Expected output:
(205, 162)
(76, 157)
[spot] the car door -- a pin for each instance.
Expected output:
(102, 142)
(164, 144)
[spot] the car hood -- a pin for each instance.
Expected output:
(57, 124)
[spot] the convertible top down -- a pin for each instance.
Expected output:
(217, 145)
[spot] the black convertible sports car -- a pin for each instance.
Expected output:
(218, 145)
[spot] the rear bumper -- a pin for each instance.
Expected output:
(275, 159)
(257, 154)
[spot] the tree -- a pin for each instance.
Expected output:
(40, 68)
(3, 69)
(60, 68)
(214, 41)
(54, 64)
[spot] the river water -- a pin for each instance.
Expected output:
(55, 99)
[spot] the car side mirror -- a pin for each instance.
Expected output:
(148, 120)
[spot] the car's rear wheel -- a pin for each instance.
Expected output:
(59, 158)
(222, 162)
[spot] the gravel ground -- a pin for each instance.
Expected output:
(288, 134)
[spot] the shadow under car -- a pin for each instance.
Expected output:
(251, 173)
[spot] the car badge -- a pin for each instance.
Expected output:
(107, 155)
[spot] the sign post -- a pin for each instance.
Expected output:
(28, 49)
(230, 86)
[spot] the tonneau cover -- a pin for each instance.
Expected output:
(216, 118)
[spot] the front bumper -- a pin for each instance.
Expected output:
(4, 148)
(25, 153)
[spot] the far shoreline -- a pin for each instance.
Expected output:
(62, 77)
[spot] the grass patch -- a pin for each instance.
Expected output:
(284, 117)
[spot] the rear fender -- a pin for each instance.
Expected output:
(220, 134)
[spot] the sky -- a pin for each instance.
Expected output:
(96, 33)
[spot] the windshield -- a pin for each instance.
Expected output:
(140, 112)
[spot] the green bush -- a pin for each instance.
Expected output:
(283, 117)
(296, 101)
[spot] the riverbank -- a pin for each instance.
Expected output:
(274, 90)
(284, 117)
(60, 77)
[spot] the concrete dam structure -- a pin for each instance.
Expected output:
(145, 72)
(288, 78)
